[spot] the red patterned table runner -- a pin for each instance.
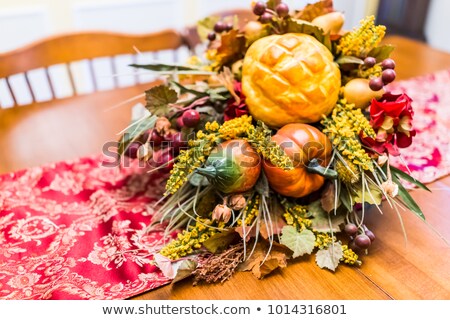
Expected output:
(75, 230)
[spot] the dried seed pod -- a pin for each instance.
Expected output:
(237, 202)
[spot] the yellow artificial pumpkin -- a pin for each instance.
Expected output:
(290, 78)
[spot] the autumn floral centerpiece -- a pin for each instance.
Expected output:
(275, 143)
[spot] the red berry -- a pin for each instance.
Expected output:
(353, 246)
(191, 118)
(350, 229)
(266, 17)
(155, 138)
(211, 36)
(179, 122)
(219, 27)
(132, 150)
(370, 235)
(387, 76)
(229, 27)
(163, 158)
(259, 8)
(177, 142)
(370, 62)
(362, 241)
(282, 10)
(376, 84)
(388, 64)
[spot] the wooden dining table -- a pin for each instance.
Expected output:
(394, 269)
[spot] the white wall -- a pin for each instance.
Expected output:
(23, 21)
(437, 27)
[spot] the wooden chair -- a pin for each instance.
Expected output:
(68, 48)
(60, 129)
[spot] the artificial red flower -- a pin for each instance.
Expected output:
(391, 106)
(391, 118)
(236, 107)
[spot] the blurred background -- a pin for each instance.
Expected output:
(24, 21)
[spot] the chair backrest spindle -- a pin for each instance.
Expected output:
(66, 49)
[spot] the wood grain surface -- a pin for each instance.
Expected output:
(79, 126)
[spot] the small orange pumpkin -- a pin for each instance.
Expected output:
(304, 145)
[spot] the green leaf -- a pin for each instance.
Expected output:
(371, 196)
(299, 242)
(272, 4)
(135, 131)
(184, 89)
(381, 53)
(220, 241)
(159, 98)
(159, 67)
(220, 94)
(345, 198)
(407, 199)
(320, 221)
(205, 26)
(329, 258)
(349, 59)
(403, 175)
(302, 26)
(185, 270)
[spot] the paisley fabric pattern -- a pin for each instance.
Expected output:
(428, 158)
(77, 229)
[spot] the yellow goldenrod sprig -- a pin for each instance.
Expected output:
(236, 128)
(323, 240)
(362, 40)
(296, 216)
(348, 172)
(343, 127)
(251, 211)
(190, 159)
(260, 139)
(349, 256)
(190, 240)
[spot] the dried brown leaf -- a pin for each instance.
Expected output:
(312, 11)
(249, 232)
(261, 264)
(277, 225)
(231, 48)
(220, 241)
(328, 200)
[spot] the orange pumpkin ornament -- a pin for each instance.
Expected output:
(310, 150)
(289, 78)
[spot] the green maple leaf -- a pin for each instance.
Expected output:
(272, 4)
(371, 196)
(302, 26)
(329, 258)
(205, 26)
(159, 99)
(320, 221)
(299, 242)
